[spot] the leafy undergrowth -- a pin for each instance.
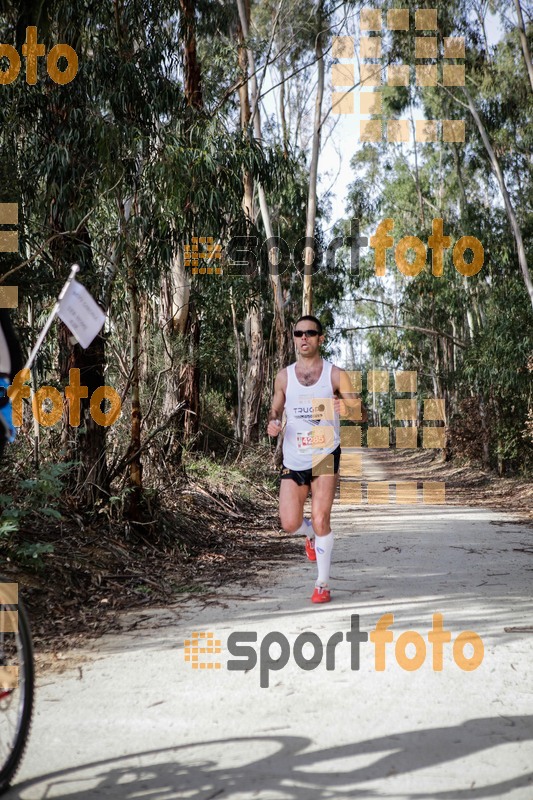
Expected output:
(79, 570)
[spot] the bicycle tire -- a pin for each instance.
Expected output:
(25, 687)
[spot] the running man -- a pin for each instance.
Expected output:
(309, 392)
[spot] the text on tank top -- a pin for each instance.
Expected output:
(312, 425)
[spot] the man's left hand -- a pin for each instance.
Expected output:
(339, 406)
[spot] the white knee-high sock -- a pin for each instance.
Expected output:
(306, 528)
(323, 548)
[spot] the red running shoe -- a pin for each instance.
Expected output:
(310, 548)
(321, 595)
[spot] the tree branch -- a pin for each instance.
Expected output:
(125, 460)
(428, 331)
(523, 41)
(45, 245)
(495, 164)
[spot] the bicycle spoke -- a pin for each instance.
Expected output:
(16, 689)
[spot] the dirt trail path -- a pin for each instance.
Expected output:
(134, 720)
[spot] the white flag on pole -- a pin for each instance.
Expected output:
(81, 313)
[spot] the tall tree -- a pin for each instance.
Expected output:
(307, 300)
(253, 381)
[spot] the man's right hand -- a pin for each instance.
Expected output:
(274, 427)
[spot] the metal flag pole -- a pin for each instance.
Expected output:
(75, 268)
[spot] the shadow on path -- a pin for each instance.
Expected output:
(196, 770)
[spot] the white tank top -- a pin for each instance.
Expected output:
(312, 426)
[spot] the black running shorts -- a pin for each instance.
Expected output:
(304, 477)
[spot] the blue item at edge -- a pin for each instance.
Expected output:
(6, 413)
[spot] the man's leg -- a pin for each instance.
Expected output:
(291, 505)
(323, 493)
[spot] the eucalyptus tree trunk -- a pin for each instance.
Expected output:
(192, 69)
(284, 128)
(238, 354)
(174, 322)
(485, 430)
(189, 325)
(124, 246)
(417, 174)
(253, 328)
(307, 300)
(189, 376)
(248, 62)
(180, 325)
(85, 444)
(515, 227)
(524, 42)
(253, 382)
(133, 453)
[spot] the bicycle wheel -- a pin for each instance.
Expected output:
(16, 693)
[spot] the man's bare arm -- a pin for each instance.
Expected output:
(353, 406)
(278, 404)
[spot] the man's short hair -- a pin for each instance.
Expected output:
(311, 319)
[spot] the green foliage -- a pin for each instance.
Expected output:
(32, 501)
(480, 328)
(216, 435)
(118, 172)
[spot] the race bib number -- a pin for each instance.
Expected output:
(305, 440)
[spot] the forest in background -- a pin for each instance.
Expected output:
(190, 119)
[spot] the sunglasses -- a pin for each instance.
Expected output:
(310, 333)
